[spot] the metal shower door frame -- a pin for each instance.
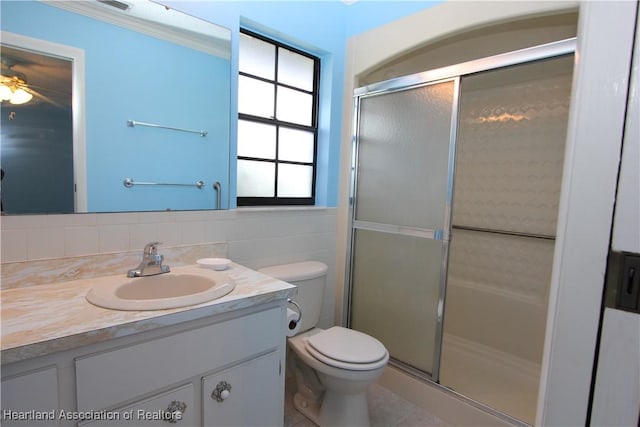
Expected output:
(450, 73)
(432, 234)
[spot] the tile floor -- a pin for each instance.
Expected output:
(386, 409)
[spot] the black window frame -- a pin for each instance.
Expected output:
(275, 200)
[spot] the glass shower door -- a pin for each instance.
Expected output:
(401, 193)
(510, 154)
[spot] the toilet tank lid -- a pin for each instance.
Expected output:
(296, 271)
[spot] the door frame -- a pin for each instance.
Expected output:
(76, 57)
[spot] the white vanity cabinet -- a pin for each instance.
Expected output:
(141, 379)
(31, 398)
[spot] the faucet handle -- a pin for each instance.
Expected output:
(151, 263)
(151, 248)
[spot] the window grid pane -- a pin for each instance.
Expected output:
(255, 97)
(294, 106)
(276, 149)
(294, 180)
(256, 140)
(256, 179)
(295, 69)
(257, 57)
(295, 145)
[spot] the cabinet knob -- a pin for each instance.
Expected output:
(174, 411)
(222, 391)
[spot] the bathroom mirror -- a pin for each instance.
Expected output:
(129, 109)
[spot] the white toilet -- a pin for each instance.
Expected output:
(333, 367)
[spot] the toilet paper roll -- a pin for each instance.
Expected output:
(293, 326)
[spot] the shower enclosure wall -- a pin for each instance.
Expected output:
(455, 185)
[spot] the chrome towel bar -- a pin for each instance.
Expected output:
(132, 123)
(128, 182)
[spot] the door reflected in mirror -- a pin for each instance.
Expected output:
(151, 65)
(37, 133)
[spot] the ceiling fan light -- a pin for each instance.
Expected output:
(5, 93)
(20, 96)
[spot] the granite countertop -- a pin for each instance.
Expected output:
(44, 319)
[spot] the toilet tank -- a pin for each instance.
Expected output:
(309, 277)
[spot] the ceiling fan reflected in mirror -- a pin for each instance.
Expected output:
(30, 76)
(13, 87)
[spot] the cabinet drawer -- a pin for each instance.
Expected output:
(33, 396)
(253, 396)
(108, 378)
(153, 411)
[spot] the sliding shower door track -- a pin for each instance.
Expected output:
(425, 377)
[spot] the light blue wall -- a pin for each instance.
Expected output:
(321, 28)
(160, 88)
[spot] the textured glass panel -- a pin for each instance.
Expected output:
(295, 69)
(511, 140)
(294, 106)
(495, 318)
(294, 180)
(295, 145)
(514, 269)
(403, 155)
(257, 57)
(510, 154)
(396, 283)
(256, 179)
(256, 140)
(255, 97)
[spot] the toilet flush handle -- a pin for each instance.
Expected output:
(293, 323)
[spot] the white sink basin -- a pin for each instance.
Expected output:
(182, 287)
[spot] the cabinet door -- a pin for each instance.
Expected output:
(158, 363)
(30, 399)
(254, 394)
(157, 410)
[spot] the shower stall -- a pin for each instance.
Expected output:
(455, 184)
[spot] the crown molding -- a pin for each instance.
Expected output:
(156, 20)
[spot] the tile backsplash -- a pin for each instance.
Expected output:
(254, 237)
(55, 270)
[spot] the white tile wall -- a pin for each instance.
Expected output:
(256, 237)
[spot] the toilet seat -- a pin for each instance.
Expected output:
(347, 349)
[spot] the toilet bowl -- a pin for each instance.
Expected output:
(333, 367)
(344, 401)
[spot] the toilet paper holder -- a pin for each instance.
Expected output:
(293, 323)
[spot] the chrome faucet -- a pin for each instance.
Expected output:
(151, 262)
